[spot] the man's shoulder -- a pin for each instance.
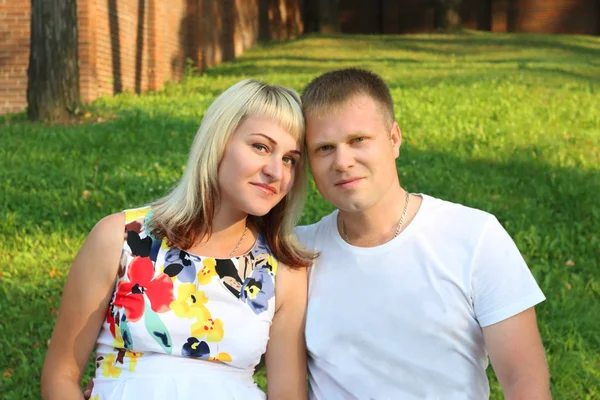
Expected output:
(308, 233)
(440, 210)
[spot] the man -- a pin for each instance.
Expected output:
(410, 293)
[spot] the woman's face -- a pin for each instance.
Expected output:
(258, 167)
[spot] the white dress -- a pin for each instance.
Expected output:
(181, 326)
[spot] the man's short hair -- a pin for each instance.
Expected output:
(333, 89)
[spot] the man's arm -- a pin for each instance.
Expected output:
(518, 357)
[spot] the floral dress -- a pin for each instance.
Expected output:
(182, 326)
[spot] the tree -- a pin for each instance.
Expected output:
(484, 15)
(447, 14)
(53, 74)
(329, 16)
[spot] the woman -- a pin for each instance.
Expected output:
(181, 297)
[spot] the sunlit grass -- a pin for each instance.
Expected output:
(506, 123)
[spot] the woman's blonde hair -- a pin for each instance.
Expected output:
(186, 213)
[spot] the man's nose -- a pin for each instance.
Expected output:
(343, 159)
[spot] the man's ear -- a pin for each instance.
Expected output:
(396, 138)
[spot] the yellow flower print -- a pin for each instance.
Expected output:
(164, 245)
(95, 397)
(212, 329)
(132, 215)
(273, 264)
(118, 342)
(221, 357)
(133, 356)
(266, 261)
(109, 369)
(252, 291)
(206, 274)
(190, 302)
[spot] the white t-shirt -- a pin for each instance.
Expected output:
(403, 320)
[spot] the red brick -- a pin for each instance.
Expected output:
(162, 34)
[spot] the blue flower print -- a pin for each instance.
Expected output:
(181, 264)
(195, 348)
(257, 290)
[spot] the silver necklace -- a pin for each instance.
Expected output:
(239, 241)
(398, 228)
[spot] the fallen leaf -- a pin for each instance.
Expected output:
(52, 273)
(568, 285)
(87, 115)
(8, 373)
(570, 263)
(86, 194)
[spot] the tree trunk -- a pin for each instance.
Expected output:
(447, 14)
(310, 16)
(484, 22)
(329, 16)
(512, 14)
(53, 74)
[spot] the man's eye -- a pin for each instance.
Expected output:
(359, 139)
(324, 148)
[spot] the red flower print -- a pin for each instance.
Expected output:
(141, 280)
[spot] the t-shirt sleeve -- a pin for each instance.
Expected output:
(306, 236)
(502, 284)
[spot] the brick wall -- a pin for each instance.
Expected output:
(535, 16)
(137, 45)
(547, 16)
(14, 53)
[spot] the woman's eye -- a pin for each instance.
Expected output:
(289, 160)
(260, 147)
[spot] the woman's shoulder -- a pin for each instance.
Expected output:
(108, 231)
(99, 255)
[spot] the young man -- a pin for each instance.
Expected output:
(410, 293)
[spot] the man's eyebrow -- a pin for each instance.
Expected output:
(319, 144)
(356, 135)
(348, 137)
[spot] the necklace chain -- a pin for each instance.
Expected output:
(239, 241)
(398, 228)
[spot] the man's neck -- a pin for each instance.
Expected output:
(378, 224)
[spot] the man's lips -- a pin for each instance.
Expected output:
(346, 181)
(267, 189)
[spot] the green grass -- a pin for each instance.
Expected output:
(506, 123)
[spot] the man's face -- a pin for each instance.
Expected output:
(352, 154)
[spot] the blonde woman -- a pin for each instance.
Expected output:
(182, 298)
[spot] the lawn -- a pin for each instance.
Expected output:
(506, 123)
